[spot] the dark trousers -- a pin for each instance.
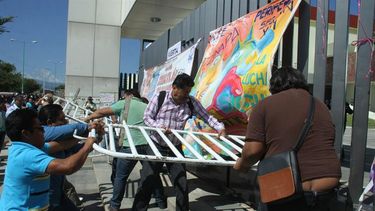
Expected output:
(114, 160)
(310, 201)
(65, 204)
(151, 170)
(2, 137)
(71, 193)
(123, 169)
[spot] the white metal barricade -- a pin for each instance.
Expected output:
(74, 111)
(203, 148)
(230, 147)
(77, 113)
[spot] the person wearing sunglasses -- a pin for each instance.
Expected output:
(27, 175)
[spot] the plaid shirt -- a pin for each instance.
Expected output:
(174, 116)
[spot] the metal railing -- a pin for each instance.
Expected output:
(230, 146)
(76, 113)
(201, 148)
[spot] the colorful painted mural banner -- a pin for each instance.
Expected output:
(234, 74)
(161, 77)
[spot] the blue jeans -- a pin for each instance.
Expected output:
(151, 170)
(123, 169)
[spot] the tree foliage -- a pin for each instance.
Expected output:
(11, 80)
(3, 21)
(30, 85)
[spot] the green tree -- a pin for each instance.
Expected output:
(10, 80)
(3, 21)
(30, 85)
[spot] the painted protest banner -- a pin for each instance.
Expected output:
(234, 74)
(161, 77)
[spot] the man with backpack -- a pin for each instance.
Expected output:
(170, 110)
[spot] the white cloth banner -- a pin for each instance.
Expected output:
(161, 77)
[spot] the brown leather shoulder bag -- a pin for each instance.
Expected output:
(278, 175)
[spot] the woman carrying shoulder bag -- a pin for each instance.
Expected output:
(275, 126)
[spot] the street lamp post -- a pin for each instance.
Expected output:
(23, 59)
(43, 74)
(55, 69)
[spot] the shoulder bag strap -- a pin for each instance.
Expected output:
(126, 109)
(306, 126)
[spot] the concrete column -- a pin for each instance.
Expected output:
(93, 46)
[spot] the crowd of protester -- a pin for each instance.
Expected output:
(41, 135)
(41, 153)
(30, 101)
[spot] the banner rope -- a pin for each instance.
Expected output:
(368, 39)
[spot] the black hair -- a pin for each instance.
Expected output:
(18, 97)
(133, 92)
(285, 78)
(183, 81)
(18, 120)
(49, 112)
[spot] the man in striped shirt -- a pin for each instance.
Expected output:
(172, 114)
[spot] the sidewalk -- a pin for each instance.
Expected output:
(92, 182)
(87, 187)
(202, 195)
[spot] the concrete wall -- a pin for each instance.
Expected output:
(93, 46)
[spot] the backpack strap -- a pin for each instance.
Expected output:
(191, 107)
(161, 99)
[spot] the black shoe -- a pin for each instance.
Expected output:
(162, 203)
(113, 209)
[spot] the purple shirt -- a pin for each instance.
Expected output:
(174, 116)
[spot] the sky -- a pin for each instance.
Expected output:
(45, 21)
